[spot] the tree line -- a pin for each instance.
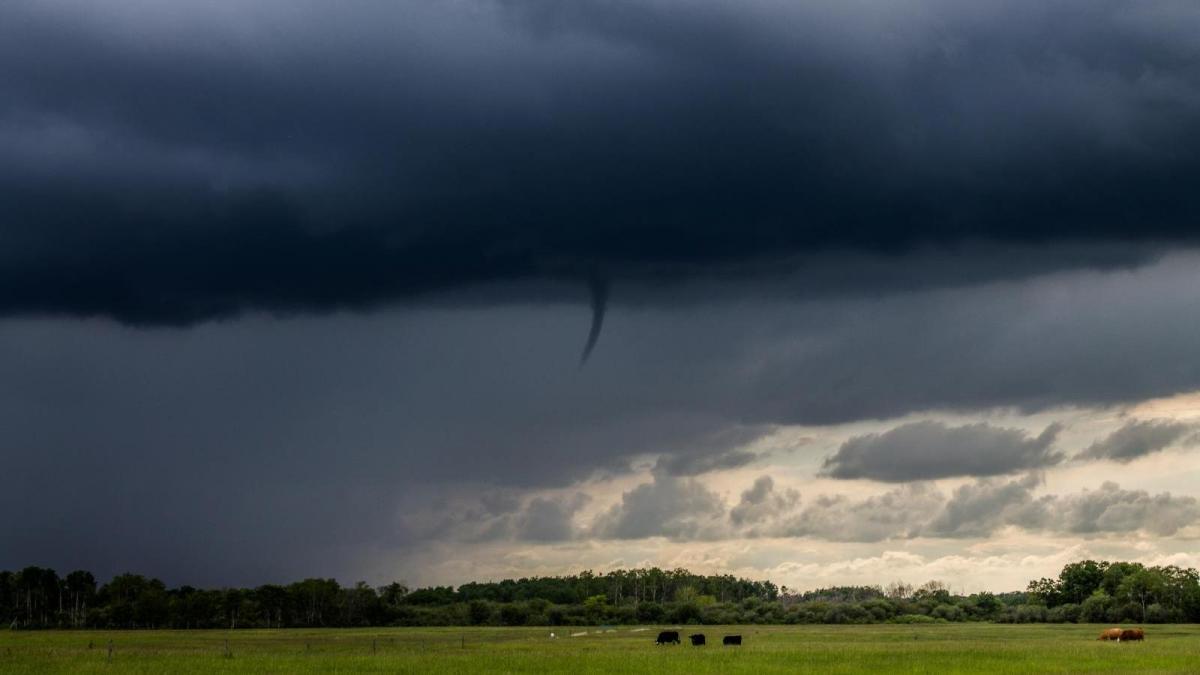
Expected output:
(1086, 591)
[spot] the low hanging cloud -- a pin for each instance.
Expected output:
(1136, 439)
(720, 451)
(761, 503)
(929, 450)
(496, 516)
(678, 508)
(682, 509)
(896, 514)
(979, 509)
(548, 519)
(1111, 509)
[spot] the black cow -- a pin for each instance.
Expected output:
(697, 639)
(666, 636)
(732, 640)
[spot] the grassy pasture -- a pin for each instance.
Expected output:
(945, 648)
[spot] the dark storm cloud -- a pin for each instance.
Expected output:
(492, 516)
(177, 162)
(719, 451)
(302, 441)
(169, 163)
(928, 450)
(1136, 439)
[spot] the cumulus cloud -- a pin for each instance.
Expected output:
(978, 509)
(761, 503)
(895, 514)
(1111, 509)
(684, 509)
(548, 519)
(1136, 439)
(680, 508)
(928, 450)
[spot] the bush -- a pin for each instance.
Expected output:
(512, 614)
(479, 612)
(947, 612)
(622, 615)
(1066, 613)
(650, 612)
(913, 618)
(879, 610)
(1095, 608)
(1156, 613)
(1030, 614)
(1130, 611)
(686, 612)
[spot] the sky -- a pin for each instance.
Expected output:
(822, 292)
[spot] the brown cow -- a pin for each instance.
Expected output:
(1110, 634)
(1132, 634)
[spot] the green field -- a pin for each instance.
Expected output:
(943, 648)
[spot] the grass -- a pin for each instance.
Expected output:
(944, 648)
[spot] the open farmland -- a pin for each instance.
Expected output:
(957, 648)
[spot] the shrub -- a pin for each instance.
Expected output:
(1095, 608)
(947, 612)
(512, 614)
(1030, 614)
(913, 618)
(479, 612)
(1156, 613)
(1065, 613)
(650, 612)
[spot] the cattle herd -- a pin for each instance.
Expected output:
(1123, 634)
(672, 637)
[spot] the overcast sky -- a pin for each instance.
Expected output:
(876, 291)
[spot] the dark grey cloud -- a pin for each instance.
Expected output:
(928, 450)
(484, 514)
(756, 182)
(182, 162)
(547, 519)
(336, 422)
(1136, 439)
(723, 450)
